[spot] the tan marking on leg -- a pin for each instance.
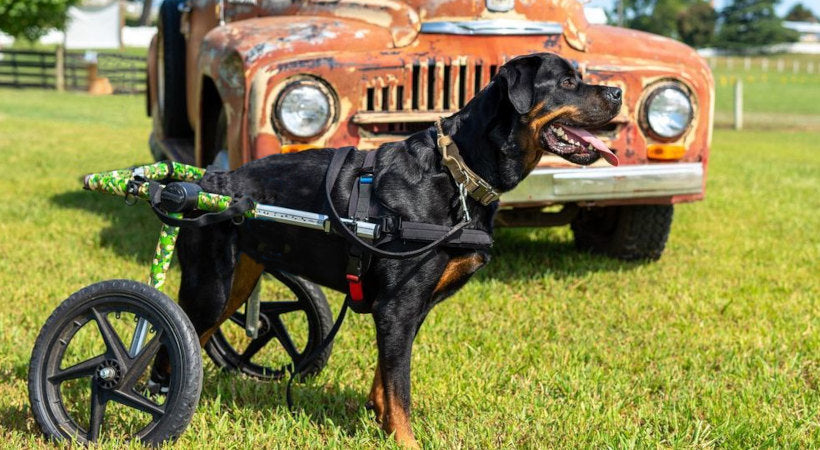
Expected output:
(376, 397)
(246, 274)
(457, 269)
(397, 423)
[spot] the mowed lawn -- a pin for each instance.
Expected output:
(716, 344)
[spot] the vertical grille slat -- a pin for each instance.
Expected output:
(439, 90)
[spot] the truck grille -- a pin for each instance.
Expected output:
(428, 85)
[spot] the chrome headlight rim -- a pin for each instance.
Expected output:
(298, 82)
(654, 92)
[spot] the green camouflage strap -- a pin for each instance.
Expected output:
(163, 254)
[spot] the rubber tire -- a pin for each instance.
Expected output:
(629, 232)
(320, 320)
(186, 388)
(173, 114)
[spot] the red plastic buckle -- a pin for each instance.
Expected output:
(354, 285)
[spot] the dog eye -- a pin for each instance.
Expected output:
(568, 83)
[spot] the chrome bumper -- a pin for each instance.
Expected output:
(605, 183)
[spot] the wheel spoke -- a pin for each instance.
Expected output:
(256, 345)
(276, 308)
(83, 369)
(139, 364)
(284, 337)
(110, 337)
(238, 319)
(128, 398)
(98, 402)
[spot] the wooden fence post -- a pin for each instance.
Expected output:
(59, 69)
(739, 104)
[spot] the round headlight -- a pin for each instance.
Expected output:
(668, 112)
(304, 109)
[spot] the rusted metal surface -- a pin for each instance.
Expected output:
(388, 79)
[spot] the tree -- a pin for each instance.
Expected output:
(752, 23)
(696, 24)
(145, 17)
(654, 16)
(31, 19)
(800, 13)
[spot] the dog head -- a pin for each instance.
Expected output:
(536, 103)
(556, 107)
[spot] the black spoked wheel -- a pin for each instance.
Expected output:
(89, 375)
(290, 329)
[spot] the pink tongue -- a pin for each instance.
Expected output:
(596, 143)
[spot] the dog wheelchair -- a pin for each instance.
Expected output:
(86, 378)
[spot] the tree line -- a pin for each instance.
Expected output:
(742, 24)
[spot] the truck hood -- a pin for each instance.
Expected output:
(639, 48)
(257, 40)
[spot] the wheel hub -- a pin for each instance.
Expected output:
(264, 325)
(108, 374)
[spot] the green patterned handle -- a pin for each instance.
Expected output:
(115, 182)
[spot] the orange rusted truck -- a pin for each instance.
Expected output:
(235, 80)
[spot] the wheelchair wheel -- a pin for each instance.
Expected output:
(297, 321)
(89, 375)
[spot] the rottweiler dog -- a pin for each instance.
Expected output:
(535, 103)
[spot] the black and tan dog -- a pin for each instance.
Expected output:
(535, 103)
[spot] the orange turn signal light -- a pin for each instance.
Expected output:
(293, 148)
(665, 152)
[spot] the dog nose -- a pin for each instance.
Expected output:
(614, 94)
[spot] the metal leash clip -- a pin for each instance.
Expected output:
(462, 194)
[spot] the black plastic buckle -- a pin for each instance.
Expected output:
(390, 224)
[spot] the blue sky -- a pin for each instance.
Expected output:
(782, 8)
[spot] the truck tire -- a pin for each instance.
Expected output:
(629, 232)
(171, 92)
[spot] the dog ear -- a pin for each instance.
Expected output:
(520, 74)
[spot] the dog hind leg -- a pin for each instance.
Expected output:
(246, 275)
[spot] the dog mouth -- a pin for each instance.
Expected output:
(576, 144)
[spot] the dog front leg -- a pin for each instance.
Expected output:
(395, 343)
(375, 401)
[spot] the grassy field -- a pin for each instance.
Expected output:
(772, 100)
(717, 344)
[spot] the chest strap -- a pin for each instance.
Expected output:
(359, 209)
(475, 186)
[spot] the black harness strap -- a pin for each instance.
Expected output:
(426, 232)
(333, 170)
(359, 208)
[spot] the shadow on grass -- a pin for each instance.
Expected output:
(319, 403)
(132, 232)
(14, 417)
(527, 253)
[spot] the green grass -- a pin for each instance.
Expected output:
(716, 344)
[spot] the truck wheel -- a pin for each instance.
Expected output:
(290, 329)
(630, 232)
(89, 375)
(171, 93)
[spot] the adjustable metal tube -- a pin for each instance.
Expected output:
(304, 219)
